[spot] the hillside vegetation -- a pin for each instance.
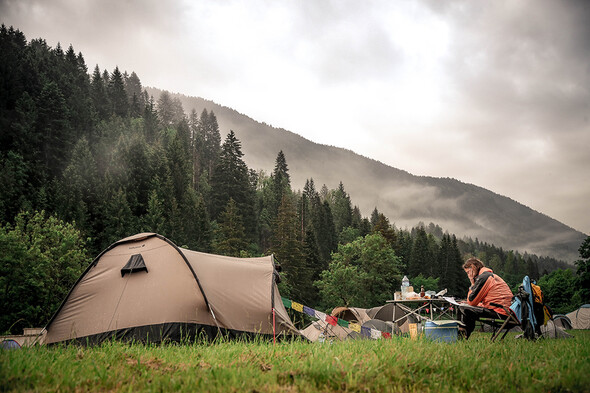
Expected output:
(463, 209)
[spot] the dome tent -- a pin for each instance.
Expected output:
(145, 288)
(580, 318)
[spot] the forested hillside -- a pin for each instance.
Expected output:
(88, 157)
(464, 209)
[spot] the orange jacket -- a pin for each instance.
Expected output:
(489, 288)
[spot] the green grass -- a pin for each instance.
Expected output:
(396, 365)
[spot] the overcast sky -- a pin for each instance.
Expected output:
(494, 93)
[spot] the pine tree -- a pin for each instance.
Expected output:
(150, 119)
(117, 95)
(456, 270)
(325, 232)
(281, 181)
(444, 264)
(382, 226)
(374, 217)
(139, 174)
(78, 199)
(196, 227)
(312, 269)
(99, 95)
(118, 220)
(134, 91)
(230, 234)
(231, 180)
(179, 167)
(341, 208)
(14, 183)
(421, 254)
(211, 141)
(154, 219)
(288, 248)
(54, 128)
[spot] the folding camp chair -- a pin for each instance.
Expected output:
(508, 323)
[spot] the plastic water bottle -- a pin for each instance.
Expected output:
(405, 282)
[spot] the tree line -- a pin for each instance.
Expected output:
(89, 158)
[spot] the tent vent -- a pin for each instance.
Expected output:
(135, 264)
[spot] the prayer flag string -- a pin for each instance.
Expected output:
(334, 321)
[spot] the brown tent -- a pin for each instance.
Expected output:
(146, 288)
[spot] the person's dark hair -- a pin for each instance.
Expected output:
(473, 262)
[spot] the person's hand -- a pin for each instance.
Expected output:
(471, 275)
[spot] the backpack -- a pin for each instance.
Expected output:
(541, 310)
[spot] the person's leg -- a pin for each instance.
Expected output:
(468, 318)
(468, 315)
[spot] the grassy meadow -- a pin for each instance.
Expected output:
(395, 365)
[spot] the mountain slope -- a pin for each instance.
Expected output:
(462, 209)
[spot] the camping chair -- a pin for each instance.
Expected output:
(508, 323)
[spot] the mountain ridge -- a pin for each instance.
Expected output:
(465, 209)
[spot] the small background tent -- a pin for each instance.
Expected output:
(562, 321)
(146, 288)
(580, 318)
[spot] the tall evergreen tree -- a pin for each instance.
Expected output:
(456, 270)
(230, 235)
(288, 248)
(312, 269)
(281, 181)
(211, 141)
(99, 95)
(117, 94)
(134, 91)
(195, 225)
(444, 264)
(154, 219)
(231, 180)
(150, 119)
(78, 198)
(54, 128)
(341, 208)
(170, 110)
(382, 226)
(421, 256)
(14, 183)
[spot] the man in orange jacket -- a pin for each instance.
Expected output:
(486, 288)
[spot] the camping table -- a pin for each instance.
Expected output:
(414, 306)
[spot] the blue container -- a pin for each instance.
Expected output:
(443, 331)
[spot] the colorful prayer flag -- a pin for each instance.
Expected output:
(286, 302)
(297, 306)
(320, 315)
(309, 311)
(365, 331)
(331, 320)
(342, 322)
(386, 335)
(375, 334)
(355, 327)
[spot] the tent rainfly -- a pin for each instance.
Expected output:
(580, 318)
(145, 288)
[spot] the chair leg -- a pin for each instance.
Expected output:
(508, 320)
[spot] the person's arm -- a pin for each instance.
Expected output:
(479, 289)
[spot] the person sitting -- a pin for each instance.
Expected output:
(486, 288)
